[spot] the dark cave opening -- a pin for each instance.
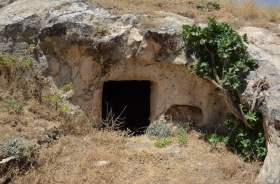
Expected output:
(131, 97)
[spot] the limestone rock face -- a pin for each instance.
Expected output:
(265, 47)
(82, 43)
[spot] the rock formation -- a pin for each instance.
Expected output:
(82, 43)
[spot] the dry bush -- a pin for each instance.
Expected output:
(20, 155)
(247, 10)
(273, 14)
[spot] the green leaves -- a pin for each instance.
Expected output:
(214, 139)
(201, 69)
(245, 38)
(13, 107)
(221, 54)
(249, 143)
(218, 39)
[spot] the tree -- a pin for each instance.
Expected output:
(221, 58)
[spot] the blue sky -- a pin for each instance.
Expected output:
(269, 2)
(264, 2)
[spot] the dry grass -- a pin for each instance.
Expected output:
(235, 13)
(72, 158)
(136, 160)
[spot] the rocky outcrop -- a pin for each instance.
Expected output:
(265, 47)
(82, 43)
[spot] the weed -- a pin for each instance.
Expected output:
(33, 38)
(158, 130)
(8, 62)
(64, 108)
(19, 148)
(12, 66)
(33, 48)
(67, 87)
(164, 134)
(13, 107)
(214, 139)
(209, 6)
(182, 139)
(179, 131)
(163, 143)
(113, 122)
(28, 63)
(52, 100)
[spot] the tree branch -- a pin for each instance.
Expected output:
(238, 112)
(245, 120)
(213, 63)
(214, 82)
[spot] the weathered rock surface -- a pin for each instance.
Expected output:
(265, 47)
(84, 44)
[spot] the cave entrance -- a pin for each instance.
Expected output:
(131, 99)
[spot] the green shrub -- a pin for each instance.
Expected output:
(20, 148)
(158, 130)
(28, 63)
(10, 63)
(64, 108)
(214, 139)
(178, 131)
(209, 6)
(7, 61)
(222, 58)
(13, 107)
(249, 143)
(165, 134)
(54, 99)
(33, 48)
(163, 143)
(67, 87)
(182, 139)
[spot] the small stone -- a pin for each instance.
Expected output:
(102, 163)
(40, 129)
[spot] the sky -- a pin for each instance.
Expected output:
(269, 2)
(265, 2)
